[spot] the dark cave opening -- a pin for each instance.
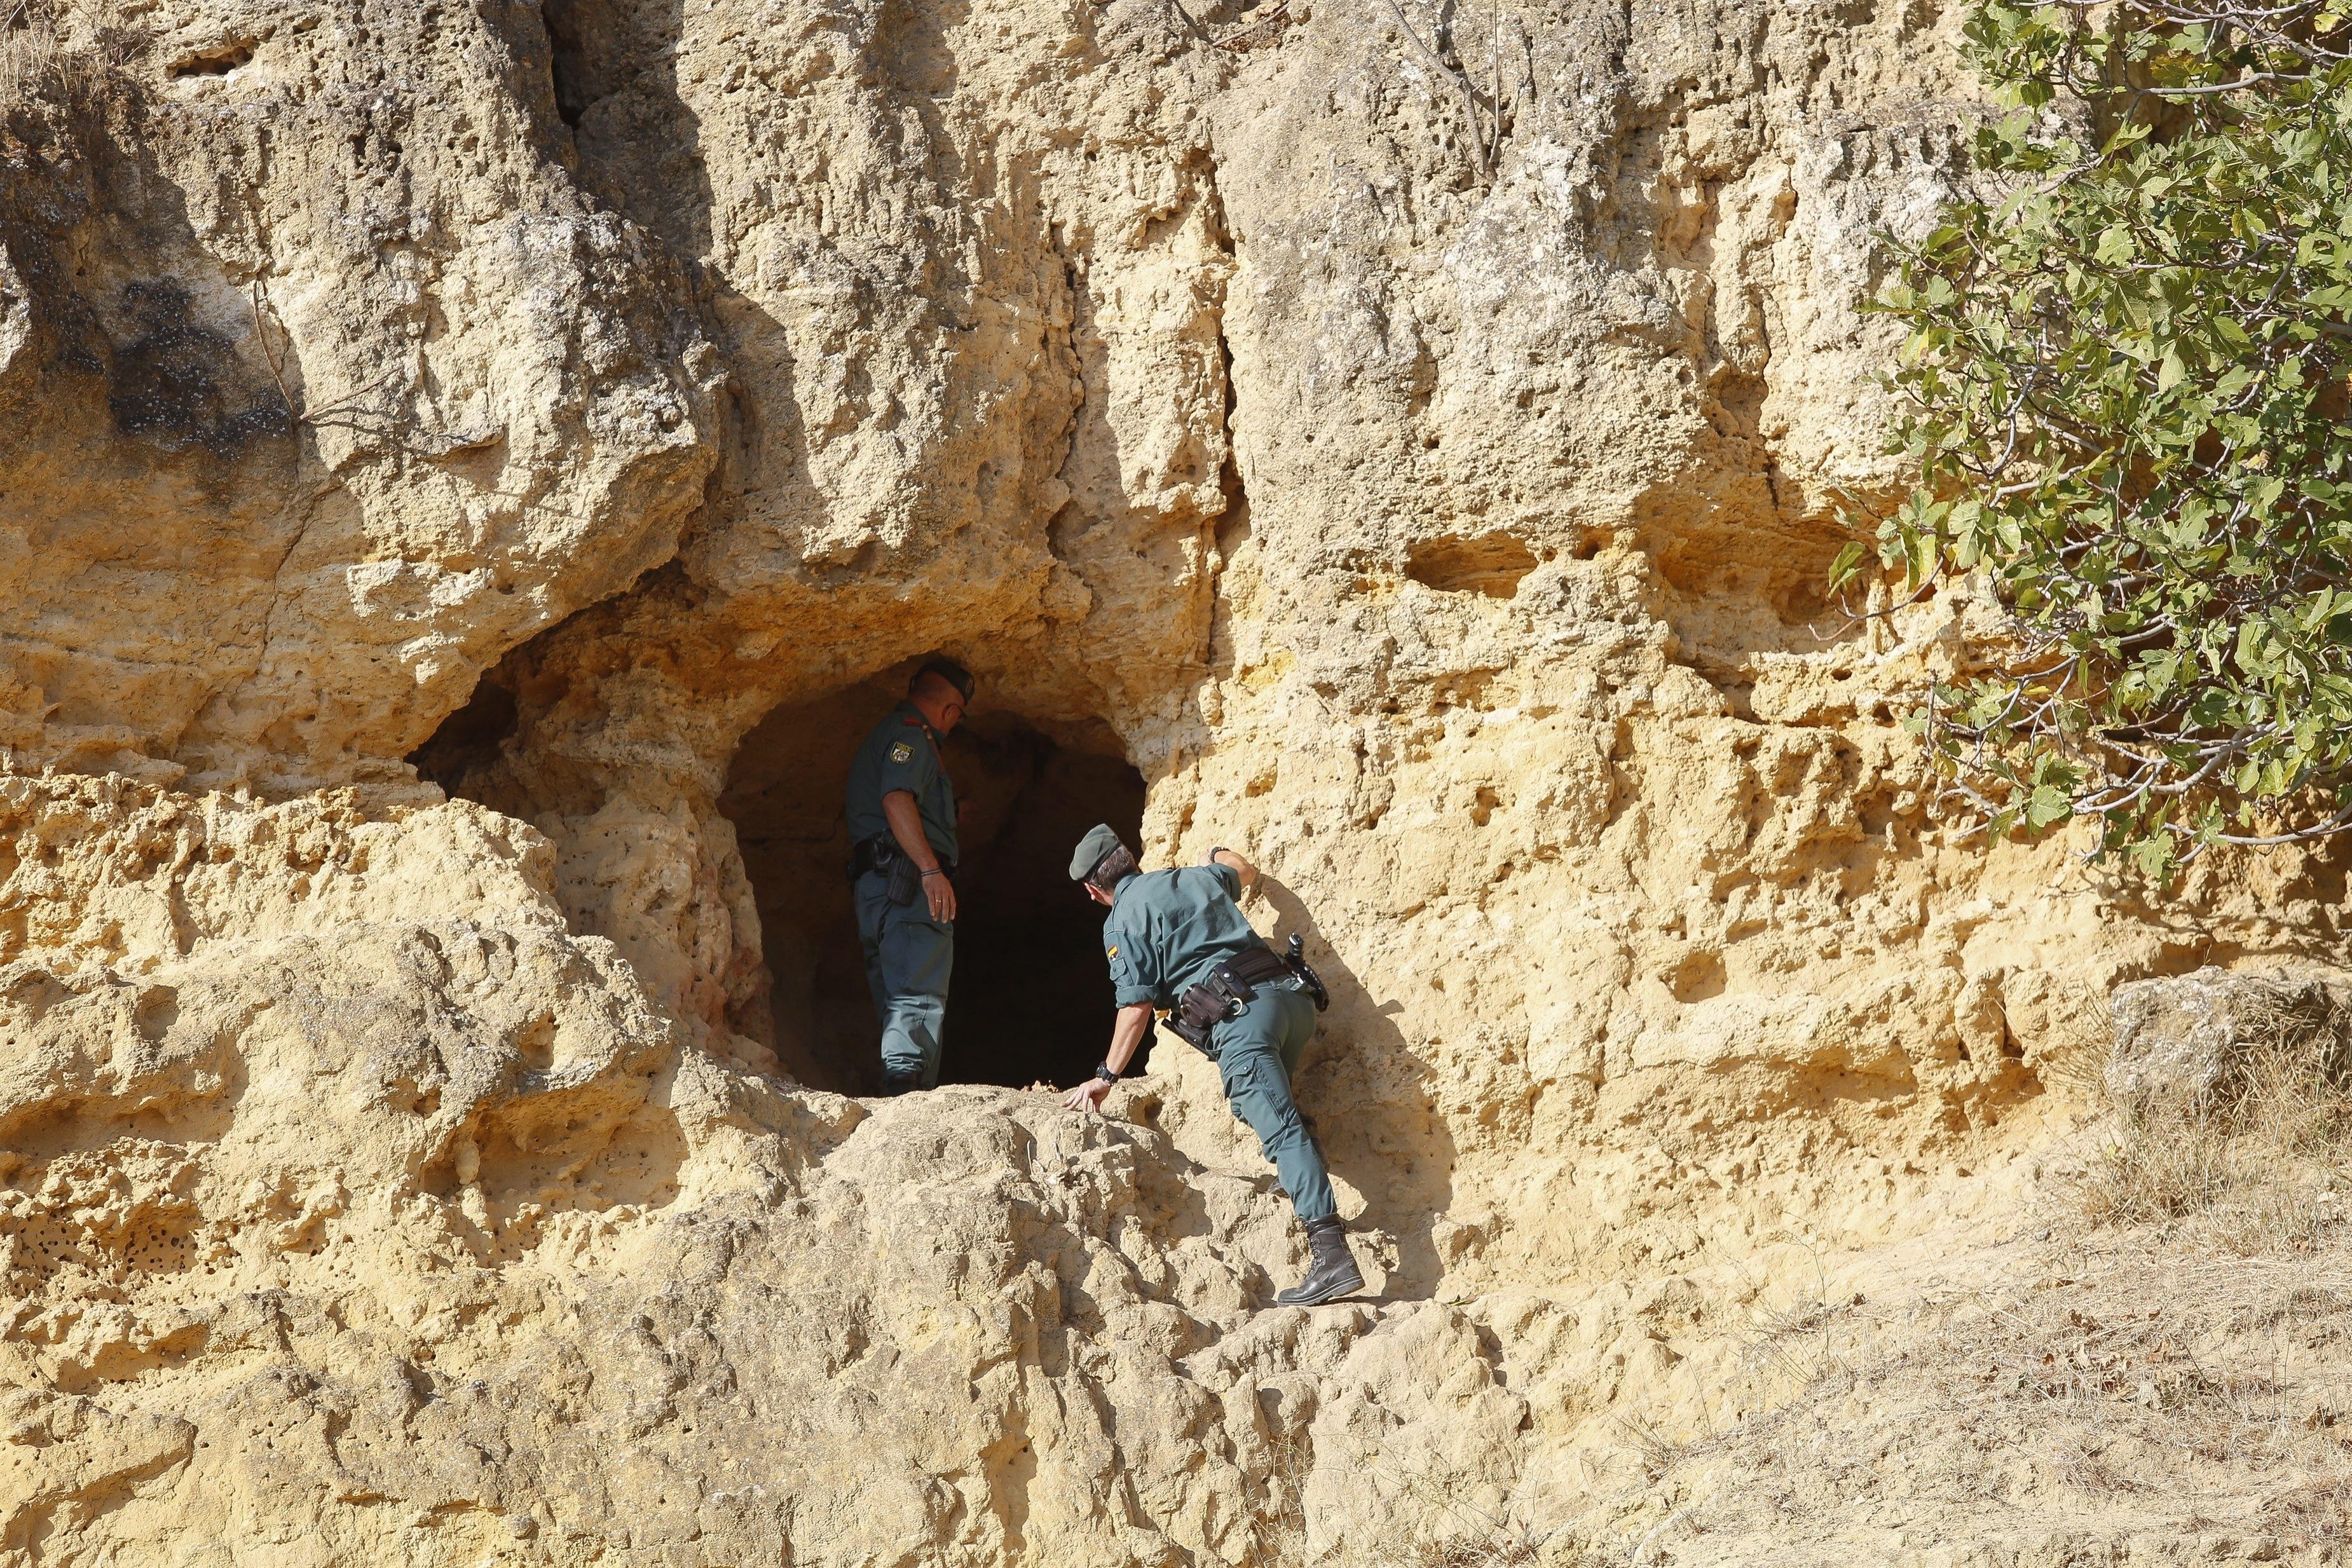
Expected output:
(568, 58)
(1030, 1000)
(469, 738)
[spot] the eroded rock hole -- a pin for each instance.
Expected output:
(1029, 999)
(1491, 564)
(468, 739)
(217, 61)
(568, 56)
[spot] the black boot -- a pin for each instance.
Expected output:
(1331, 1274)
(896, 1082)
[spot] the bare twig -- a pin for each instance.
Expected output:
(1190, 21)
(261, 338)
(1259, 30)
(255, 299)
(1494, 91)
(1461, 85)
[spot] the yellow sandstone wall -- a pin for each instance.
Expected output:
(402, 1168)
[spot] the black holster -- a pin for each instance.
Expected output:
(1294, 958)
(1230, 988)
(902, 878)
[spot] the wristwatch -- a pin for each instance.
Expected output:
(1215, 851)
(1104, 1071)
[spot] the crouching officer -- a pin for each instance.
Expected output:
(902, 836)
(1178, 942)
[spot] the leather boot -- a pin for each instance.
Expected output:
(1333, 1271)
(896, 1082)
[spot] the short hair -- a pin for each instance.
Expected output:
(948, 670)
(1114, 868)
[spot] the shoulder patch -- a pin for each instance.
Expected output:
(1112, 951)
(901, 752)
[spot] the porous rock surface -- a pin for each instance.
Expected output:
(1428, 500)
(2190, 1041)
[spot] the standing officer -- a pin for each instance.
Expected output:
(902, 837)
(1178, 942)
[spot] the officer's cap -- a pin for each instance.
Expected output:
(1099, 842)
(948, 670)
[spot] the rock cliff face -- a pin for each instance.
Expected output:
(470, 467)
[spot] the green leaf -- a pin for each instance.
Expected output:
(2122, 383)
(2050, 804)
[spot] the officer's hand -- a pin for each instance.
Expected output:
(1086, 1096)
(940, 892)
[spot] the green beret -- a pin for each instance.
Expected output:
(1099, 842)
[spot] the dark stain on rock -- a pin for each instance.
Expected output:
(174, 384)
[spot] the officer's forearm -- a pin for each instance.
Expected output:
(906, 827)
(1126, 1035)
(1248, 873)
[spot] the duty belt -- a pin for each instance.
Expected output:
(901, 878)
(1231, 987)
(879, 853)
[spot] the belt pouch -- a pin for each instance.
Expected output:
(1197, 1013)
(906, 879)
(1197, 1037)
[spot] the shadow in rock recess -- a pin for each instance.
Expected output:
(1367, 1093)
(1029, 999)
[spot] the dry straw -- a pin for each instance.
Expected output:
(58, 51)
(2255, 1168)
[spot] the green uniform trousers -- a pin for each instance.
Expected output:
(1256, 1054)
(907, 957)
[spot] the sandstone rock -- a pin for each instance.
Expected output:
(468, 468)
(2188, 1040)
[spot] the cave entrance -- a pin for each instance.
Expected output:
(1030, 999)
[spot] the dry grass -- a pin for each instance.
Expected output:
(1455, 1533)
(2259, 1170)
(61, 51)
(2168, 1366)
(2160, 1367)
(2117, 1393)
(1440, 1519)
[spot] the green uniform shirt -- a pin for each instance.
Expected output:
(1167, 929)
(902, 754)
